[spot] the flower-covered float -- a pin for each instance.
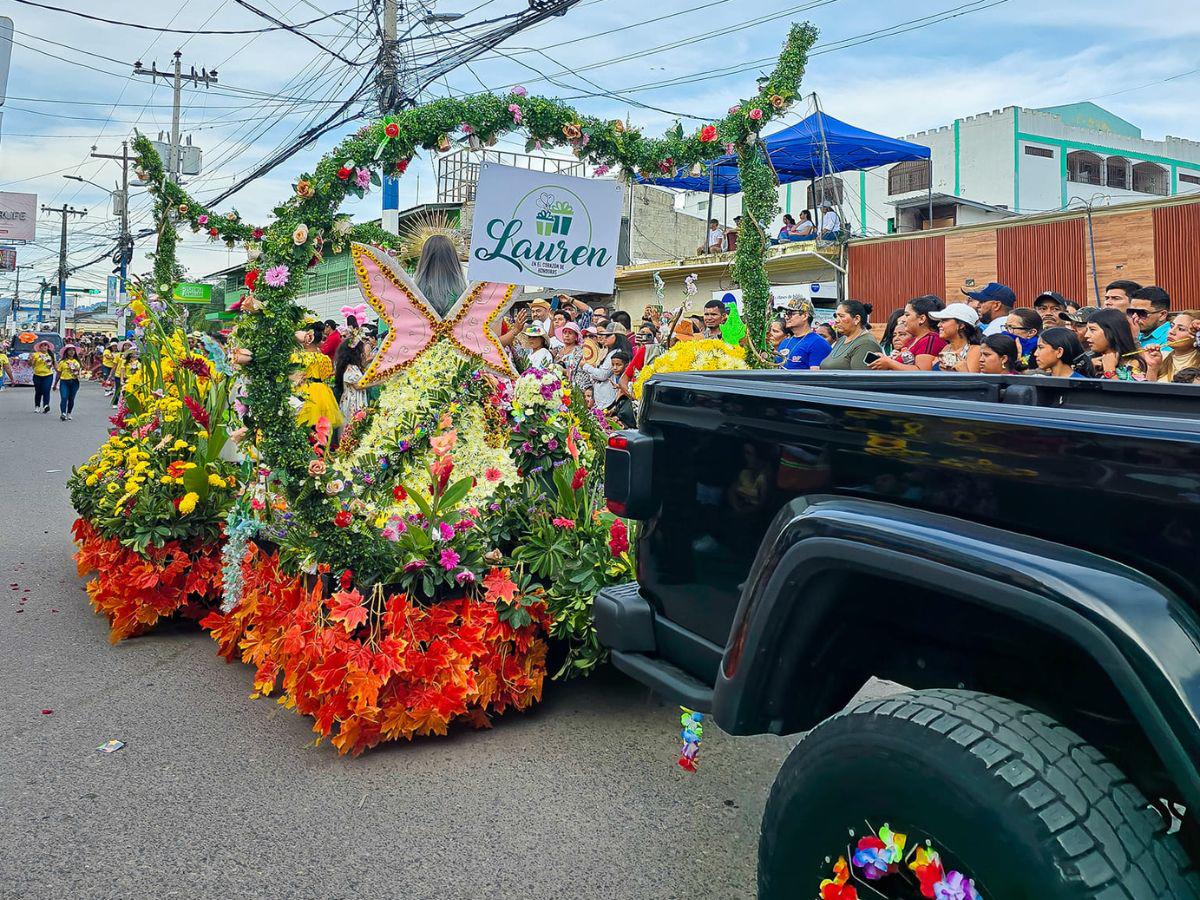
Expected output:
(152, 500)
(406, 573)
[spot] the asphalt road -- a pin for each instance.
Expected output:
(217, 795)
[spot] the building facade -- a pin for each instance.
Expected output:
(986, 167)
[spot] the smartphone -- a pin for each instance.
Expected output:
(554, 303)
(871, 357)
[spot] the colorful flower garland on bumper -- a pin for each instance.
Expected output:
(881, 856)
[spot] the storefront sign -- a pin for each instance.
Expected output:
(536, 228)
(190, 292)
(18, 216)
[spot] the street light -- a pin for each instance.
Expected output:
(87, 181)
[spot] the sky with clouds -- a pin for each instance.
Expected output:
(886, 66)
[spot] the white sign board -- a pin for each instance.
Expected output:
(555, 231)
(115, 299)
(18, 216)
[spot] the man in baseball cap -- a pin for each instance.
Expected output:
(995, 303)
(1052, 307)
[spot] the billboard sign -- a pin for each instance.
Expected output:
(555, 231)
(18, 216)
(191, 292)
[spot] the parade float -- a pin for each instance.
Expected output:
(152, 500)
(408, 575)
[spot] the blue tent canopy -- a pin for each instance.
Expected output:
(819, 145)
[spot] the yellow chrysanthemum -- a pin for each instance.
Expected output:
(188, 503)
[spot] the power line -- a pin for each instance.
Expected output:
(140, 27)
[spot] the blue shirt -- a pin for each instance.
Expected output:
(1157, 336)
(802, 352)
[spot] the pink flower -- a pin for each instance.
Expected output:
(362, 178)
(277, 276)
(516, 113)
(520, 91)
(463, 525)
(734, 110)
(560, 522)
(202, 220)
(600, 170)
(394, 528)
(465, 577)
(467, 129)
(414, 566)
(492, 475)
(449, 559)
(446, 531)
(755, 114)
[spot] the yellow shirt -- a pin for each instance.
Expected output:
(106, 359)
(3, 361)
(69, 369)
(40, 362)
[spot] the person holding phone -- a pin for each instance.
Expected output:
(925, 343)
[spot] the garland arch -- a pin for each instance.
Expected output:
(308, 222)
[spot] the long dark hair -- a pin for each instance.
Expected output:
(1006, 348)
(347, 355)
(1068, 342)
(924, 305)
(889, 331)
(1115, 326)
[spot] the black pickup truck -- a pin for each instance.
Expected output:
(1023, 554)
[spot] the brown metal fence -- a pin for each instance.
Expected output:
(890, 273)
(1031, 259)
(1177, 254)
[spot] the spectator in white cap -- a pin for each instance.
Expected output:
(538, 335)
(958, 326)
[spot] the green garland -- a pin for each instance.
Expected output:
(308, 221)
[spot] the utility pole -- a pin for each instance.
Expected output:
(124, 254)
(177, 77)
(388, 86)
(65, 211)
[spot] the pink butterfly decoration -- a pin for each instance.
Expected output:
(359, 312)
(414, 326)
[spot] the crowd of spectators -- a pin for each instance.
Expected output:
(1134, 336)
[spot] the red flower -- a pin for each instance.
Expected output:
(492, 475)
(258, 233)
(199, 413)
(343, 173)
(560, 522)
(833, 891)
(579, 478)
(251, 278)
(391, 129)
(399, 492)
(344, 580)
(213, 231)
(196, 366)
(618, 538)
(402, 166)
(666, 165)
(440, 469)
(342, 519)
(708, 134)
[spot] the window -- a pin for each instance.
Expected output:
(1039, 151)
(1083, 167)
(1150, 179)
(909, 176)
(1190, 179)
(825, 189)
(1116, 171)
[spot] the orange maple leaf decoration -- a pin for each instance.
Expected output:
(499, 586)
(347, 608)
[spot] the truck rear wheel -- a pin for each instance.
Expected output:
(1005, 796)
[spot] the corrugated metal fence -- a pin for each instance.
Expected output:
(890, 273)
(1177, 254)
(1031, 259)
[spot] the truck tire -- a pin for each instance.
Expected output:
(1007, 796)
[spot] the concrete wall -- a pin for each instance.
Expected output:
(660, 231)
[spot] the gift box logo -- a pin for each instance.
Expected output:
(555, 217)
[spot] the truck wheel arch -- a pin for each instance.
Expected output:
(796, 599)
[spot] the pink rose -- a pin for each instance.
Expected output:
(756, 114)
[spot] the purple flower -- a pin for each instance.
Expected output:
(552, 443)
(362, 178)
(520, 91)
(955, 886)
(404, 445)
(467, 129)
(494, 507)
(547, 391)
(449, 559)
(277, 276)
(465, 577)
(526, 447)
(446, 531)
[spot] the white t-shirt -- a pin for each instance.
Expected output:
(716, 237)
(830, 221)
(541, 358)
(996, 326)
